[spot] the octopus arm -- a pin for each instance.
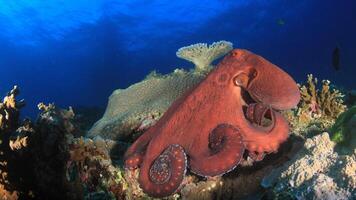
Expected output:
(135, 153)
(223, 153)
(260, 140)
(163, 176)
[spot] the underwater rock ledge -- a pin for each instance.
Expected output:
(318, 171)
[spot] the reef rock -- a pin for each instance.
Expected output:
(139, 106)
(317, 171)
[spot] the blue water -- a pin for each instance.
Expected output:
(77, 52)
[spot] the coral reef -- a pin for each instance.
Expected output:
(43, 160)
(34, 155)
(48, 159)
(317, 109)
(202, 54)
(52, 164)
(316, 172)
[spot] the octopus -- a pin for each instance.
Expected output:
(209, 129)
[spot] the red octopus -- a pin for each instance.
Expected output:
(209, 128)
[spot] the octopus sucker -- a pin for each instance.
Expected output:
(256, 156)
(134, 161)
(246, 92)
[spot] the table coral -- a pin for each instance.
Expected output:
(202, 54)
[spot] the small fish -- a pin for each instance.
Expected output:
(336, 58)
(280, 22)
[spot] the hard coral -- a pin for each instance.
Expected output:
(318, 107)
(140, 105)
(202, 55)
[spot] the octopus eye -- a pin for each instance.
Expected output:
(243, 79)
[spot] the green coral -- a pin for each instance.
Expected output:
(342, 129)
(318, 107)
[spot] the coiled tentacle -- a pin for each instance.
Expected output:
(165, 174)
(223, 154)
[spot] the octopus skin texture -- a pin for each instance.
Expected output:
(208, 129)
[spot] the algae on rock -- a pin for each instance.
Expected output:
(344, 129)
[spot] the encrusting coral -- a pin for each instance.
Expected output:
(202, 54)
(139, 106)
(319, 107)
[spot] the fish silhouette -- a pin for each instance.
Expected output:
(336, 58)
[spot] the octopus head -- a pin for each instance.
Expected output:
(264, 82)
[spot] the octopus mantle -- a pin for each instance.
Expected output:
(209, 128)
